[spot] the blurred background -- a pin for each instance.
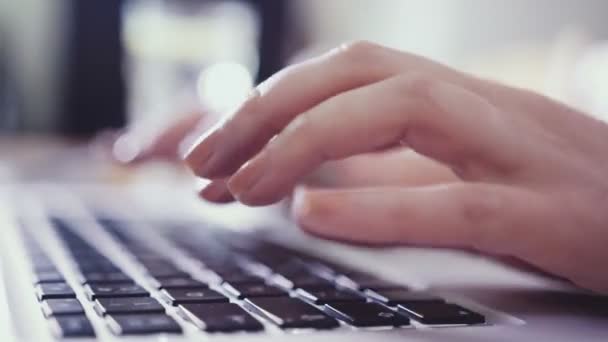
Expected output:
(77, 67)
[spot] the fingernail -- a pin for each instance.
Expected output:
(203, 157)
(255, 92)
(309, 212)
(301, 206)
(246, 178)
(214, 191)
(199, 156)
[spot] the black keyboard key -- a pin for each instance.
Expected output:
(361, 281)
(101, 290)
(54, 291)
(289, 312)
(101, 267)
(143, 305)
(103, 277)
(168, 273)
(292, 267)
(146, 257)
(220, 260)
(67, 306)
(44, 277)
(307, 281)
(221, 317)
(366, 314)
(43, 266)
(177, 283)
(40, 269)
(41, 260)
(249, 290)
(437, 313)
(143, 324)
(156, 262)
(86, 254)
(73, 326)
(395, 297)
(164, 270)
(328, 295)
(239, 277)
(191, 296)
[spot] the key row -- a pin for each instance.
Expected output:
(305, 294)
(126, 305)
(57, 299)
(321, 282)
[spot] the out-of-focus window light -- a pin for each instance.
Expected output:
(181, 55)
(222, 86)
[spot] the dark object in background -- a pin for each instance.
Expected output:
(95, 93)
(9, 105)
(94, 98)
(272, 36)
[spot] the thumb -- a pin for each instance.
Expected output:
(486, 217)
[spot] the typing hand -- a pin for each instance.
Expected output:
(531, 174)
(395, 167)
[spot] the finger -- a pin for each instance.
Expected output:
(434, 118)
(292, 91)
(217, 192)
(486, 217)
(167, 144)
(394, 167)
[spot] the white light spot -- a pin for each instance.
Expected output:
(222, 86)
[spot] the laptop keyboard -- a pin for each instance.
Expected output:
(242, 284)
(57, 298)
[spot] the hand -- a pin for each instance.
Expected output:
(395, 167)
(533, 173)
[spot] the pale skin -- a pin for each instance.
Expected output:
(441, 158)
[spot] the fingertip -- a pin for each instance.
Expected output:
(211, 155)
(254, 184)
(199, 156)
(300, 205)
(255, 200)
(340, 215)
(310, 210)
(216, 192)
(314, 211)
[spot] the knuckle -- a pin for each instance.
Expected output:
(300, 125)
(297, 131)
(416, 84)
(360, 51)
(367, 60)
(311, 135)
(414, 89)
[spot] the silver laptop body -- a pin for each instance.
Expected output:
(45, 226)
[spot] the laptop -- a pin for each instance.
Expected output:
(149, 263)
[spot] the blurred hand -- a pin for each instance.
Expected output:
(532, 174)
(169, 142)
